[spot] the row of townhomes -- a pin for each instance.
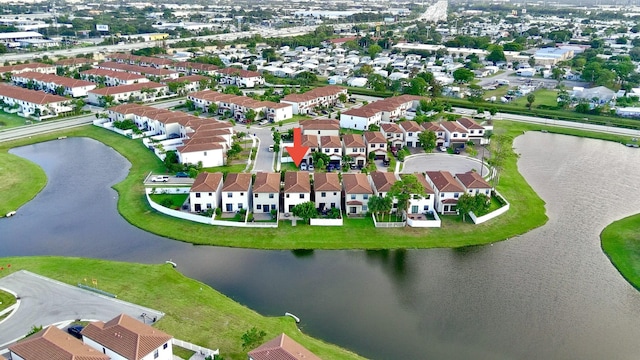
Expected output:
(126, 338)
(51, 83)
(386, 110)
(33, 67)
(322, 96)
(264, 193)
(240, 105)
(32, 103)
(195, 139)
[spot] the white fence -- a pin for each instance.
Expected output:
(424, 223)
(387, 224)
(163, 189)
(193, 347)
(108, 124)
(493, 214)
(326, 222)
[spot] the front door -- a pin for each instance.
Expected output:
(198, 208)
(229, 207)
(265, 208)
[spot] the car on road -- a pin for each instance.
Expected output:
(442, 148)
(160, 178)
(75, 331)
(182, 174)
(303, 166)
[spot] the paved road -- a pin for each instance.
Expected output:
(44, 127)
(44, 302)
(455, 164)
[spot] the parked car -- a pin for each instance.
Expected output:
(457, 151)
(352, 100)
(303, 166)
(75, 331)
(311, 167)
(325, 112)
(386, 161)
(182, 174)
(160, 178)
(394, 151)
(442, 148)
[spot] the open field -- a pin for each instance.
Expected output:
(194, 311)
(544, 97)
(20, 182)
(10, 120)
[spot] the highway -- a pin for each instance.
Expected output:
(45, 127)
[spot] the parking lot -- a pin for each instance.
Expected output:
(44, 301)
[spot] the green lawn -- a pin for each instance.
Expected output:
(182, 353)
(498, 92)
(10, 120)
(173, 200)
(194, 311)
(20, 181)
(544, 97)
(235, 168)
(621, 243)
(6, 299)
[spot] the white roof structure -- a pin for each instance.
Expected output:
(20, 35)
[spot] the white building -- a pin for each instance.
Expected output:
(33, 103)
(357, 192)
(411, 131)
(53, 341)
(146, 92)
(328, 191)
(423, 204)
(266, 192)
(236, 192)
(376, 143)
(205, 192)
(355, 147)
(447, 191)
(297, 189)
(50, 83)
(240, 78)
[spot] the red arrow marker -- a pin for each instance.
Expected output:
(297, 151)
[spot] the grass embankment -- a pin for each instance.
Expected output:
(621, 243)
(20, 181)
(194, 311)
(6, 299)
(11, 120)
(527, 209)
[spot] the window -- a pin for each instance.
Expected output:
(410, 134)
(414, 209)
(287, 196)
(255, 196)
(241, 194)
(353, 196)
(229, 195)
(165, 345)
(335, 150)
(209, 206)
(333, 205)
(239, 205)
(335, 193)
(426, 208)
(271, 196)
(155, 354)
(326, 151)
(364, 207)
(273, 206)
(210, 194)
(205, 153)
(323, 194)
(301, 196)
(197, 195)
(441, 195)
(259, 207)
(456, 195)
(464, 135)
(365, 196)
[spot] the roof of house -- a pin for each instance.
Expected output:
(356, 184)
(206, 182)
(267, 183)
(411, 126)
(31, 96)
(55, 79)
(423, 181)
(320, 124)
(431, 126)
(55, 344)
(383, 180)
(239, 72)
(469, 124)
(196, 66)
(391, 128)
(191, 148)
(74, 61)
(147, 70)
(310, 141)
(326, 182)
(126, 336)
(237, 182)
(120, 89)
(453, 126)
(444, 181)
(324, 91)
(297, 182)
(330, 141)
(282, 348)
(374, 137)
(187, 79)
(19, 67)
(120, 75)
(473, 180)
(353, 141)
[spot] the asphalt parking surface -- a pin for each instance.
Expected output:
(45, 302)
(455, 164)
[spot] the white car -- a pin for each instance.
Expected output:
(303, 166)
(160, 178)
(442, 148)
(311, 167)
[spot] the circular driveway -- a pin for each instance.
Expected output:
(455, 164)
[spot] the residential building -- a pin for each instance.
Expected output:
(33, 103)
(112, 78)
(281, 348)
(53, 83)
(147, 71)
(313, 143)
(376, 143)
(147, 61)
(455, 135)
(238, 106)
(148, 92)
(328, 191)
(447, 191)
(206, 191)
(320, 127)
(357, 191)
(386, 110)
(382, 182)
(75, 63)
(411, 131)
(190, 68)
(355, 147)
(297, 189)
(475, 131)
(236, 192)
(360, 118)
(421, 204)
(393, 133)
(474, 184)
(332, 146)
(53, 343)
(32, 67)
(240, 78)
(186, 84)
(322, 96)
(438, 130)
(266, 192)
(125, 338)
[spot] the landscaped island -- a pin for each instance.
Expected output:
(209, 319)
(621, 243)
(526, 213)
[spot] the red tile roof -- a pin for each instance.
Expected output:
(55, 344)
(21, 67)
(353, 141)
(356, 184)
(423, 181)
(444, 181)
(374, 137)
(239, 72)
(473, 180)
(188, 79)
(469, 124)
(267, 183)
(282, 348)
(332, 142)
(30, 96)
(54, 79)
(237, 182)
(411, 126)
(383, 180)
(326, 182)
(147, 70)
(206, 182)
(297, 182)
(320, 124)
(331, 90)
(120, 75)
(110, 90)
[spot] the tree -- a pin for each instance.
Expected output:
(374, 50)
(463, 75)
(417, 86)
(250, 116)
(320, 164)
(427, 140)
(380, 205)
(213, 108)
(465, 205)
(531, 98)
(402, 190)
(500, 149)
(306, 210)
(496, 55)
(252, 338)
(342, 97)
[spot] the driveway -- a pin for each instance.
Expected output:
(45, 301)
(455, 164)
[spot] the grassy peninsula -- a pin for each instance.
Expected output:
(621, 243)
(194, 311)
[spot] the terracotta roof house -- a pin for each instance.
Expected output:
(328, 191)
(454, 133)
(34, 103)
(320, 127)
(53, 343)
(411, 131)
(474, 183)
(475, 131)
(51, 83)
(423, 204)
(393, 133)
(447, 191)
(37, 67)
(382, 182)
(357, 191)
(112, 77)
(355, 147)
(376, 143)
(322, 96)
(437, 129)
(281, 348)
(241, 78)
(332, 146)
(297, 189)
(236, 192)
(205, 192)
(147, 91)
(127, 338)
(266, 192)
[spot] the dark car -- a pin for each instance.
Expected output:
(182, 174)
(386, 161)
(75, 331)
(457, 151)
(352, 100)
(394, 151)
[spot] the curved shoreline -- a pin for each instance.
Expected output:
(526, 214)
(620, 242)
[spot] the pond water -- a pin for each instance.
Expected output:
(548, 294)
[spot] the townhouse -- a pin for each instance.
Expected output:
(421, 204)
(54, 84)
(475, 131)
(148, 91)
(328, 191)
(112, 78)
(332, 146)
(297, 189)
(33, 67)
(33, 103)
(322, 96)
(355, 147)
(381, 183)
(147, 61)
(186, 84)
(360, 118)
(313, 143)
(238, 106)
(438, 131)
(190, 68)
(394, 134)
(206, 192)
(320, 127)
(455, 135)
(386, 110)
(125, 338)
(147, 71)
(236, 192)
(266, 192)
(75, 63)
(474, 184)
(240, 78)
(357, 191)
(411, 131)
(447, 191)
(376, 144)
(53, 343)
